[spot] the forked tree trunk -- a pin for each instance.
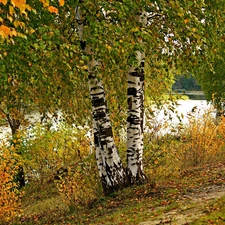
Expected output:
(135, 118)
(111, 171)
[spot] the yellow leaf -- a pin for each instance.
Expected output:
(108, 46)
(61, 2)
(11, 10)
(29, 8)
(85, 67)
(14, 33)
(18, 23)
(31, 30)
(9, 18)
(135, 29)
(180, 14)
(45, 3)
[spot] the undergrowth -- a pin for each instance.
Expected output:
(62, 178)
(10, 195)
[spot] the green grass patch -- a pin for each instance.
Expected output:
(215, 213)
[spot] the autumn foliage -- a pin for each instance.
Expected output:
(10, 196)
(64, 157)
(10, 31)
(203, 141)
(78, 189)
(198, 143)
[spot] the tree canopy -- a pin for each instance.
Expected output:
(42, 62)
(212, 80)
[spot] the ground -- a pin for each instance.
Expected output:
(195, 196)
(197, 202)
(192, 206)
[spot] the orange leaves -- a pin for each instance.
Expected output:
(186, 21)
(7, 32)
(61, 2)
(4, 2)
(53, 9)
(50, 8)
(4, 30)
(21, 4)
(9, 195)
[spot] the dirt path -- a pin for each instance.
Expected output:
(191, 206)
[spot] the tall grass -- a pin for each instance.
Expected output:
(200, 142)
(203, 141)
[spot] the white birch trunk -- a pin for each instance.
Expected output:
(111, 171)
(110, 167)
(135, 119)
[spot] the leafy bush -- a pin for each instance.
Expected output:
(10, 196)
(64, 156)
(48, 151)
(80, 186)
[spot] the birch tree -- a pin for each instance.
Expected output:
(106, 58)
(135, 119)
(111, 171)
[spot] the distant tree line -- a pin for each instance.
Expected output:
(186, 82)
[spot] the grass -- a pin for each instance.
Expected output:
(132, 205)
(215, 213)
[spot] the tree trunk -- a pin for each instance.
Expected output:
(135, 117)
(135, 143)
(15, 125)
(111, 171)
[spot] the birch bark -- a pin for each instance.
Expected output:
(135, 100)
(111, 171)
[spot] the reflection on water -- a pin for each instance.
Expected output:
(186, 107)
(195, 96)
(164, 120)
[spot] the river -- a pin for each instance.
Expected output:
(167, 121)
(161, 123)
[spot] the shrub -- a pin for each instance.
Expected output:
(80, 186)
(10, 196)
(63, 155)
(197, 143)
(48, 151)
